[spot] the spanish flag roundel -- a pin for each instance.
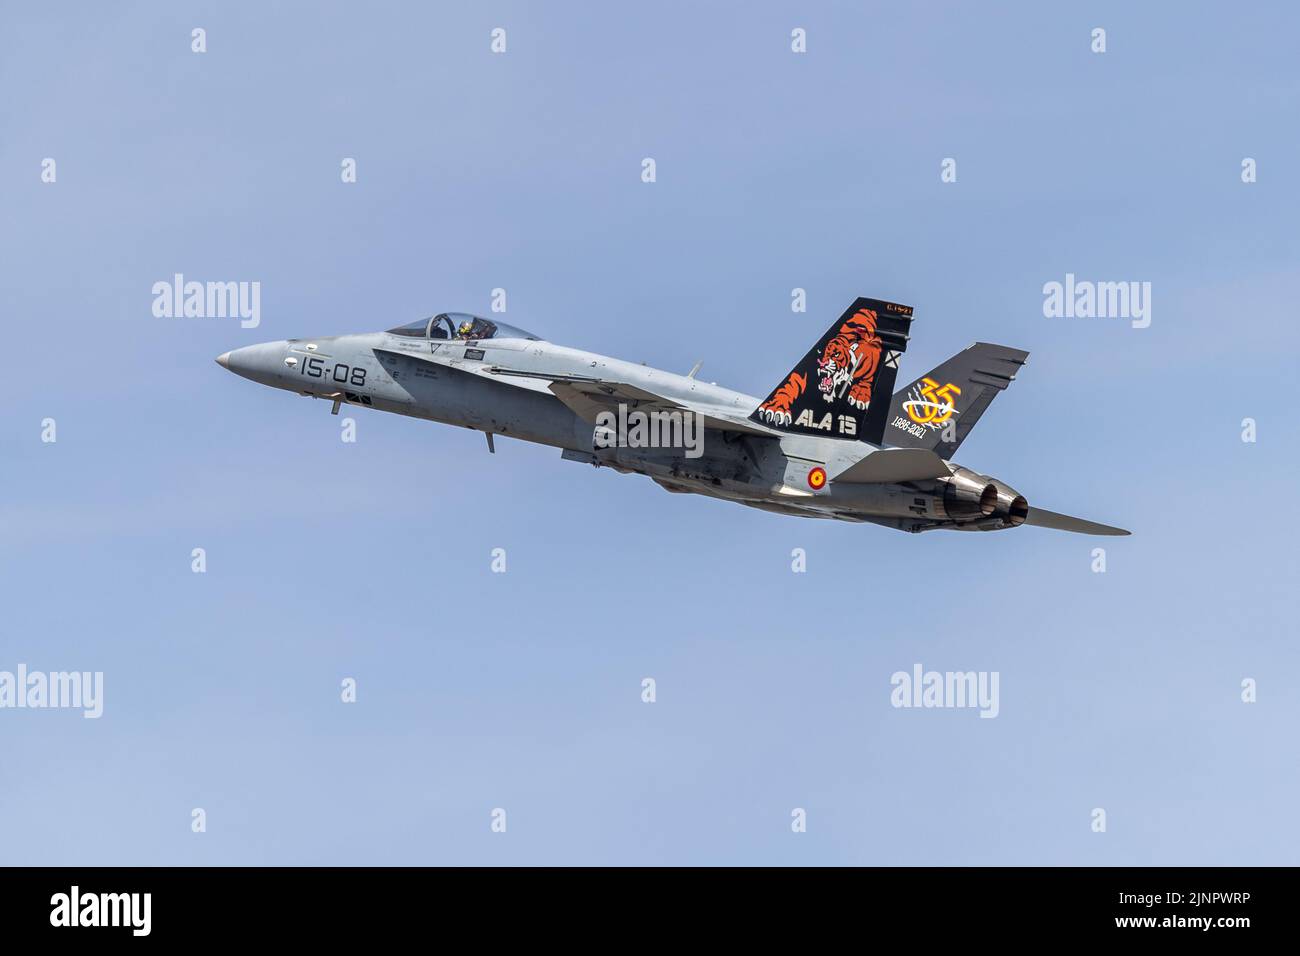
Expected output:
(817, 479)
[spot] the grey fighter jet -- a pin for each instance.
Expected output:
(830, 441)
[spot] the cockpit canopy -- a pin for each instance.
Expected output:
(461, 326)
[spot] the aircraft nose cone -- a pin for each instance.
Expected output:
(224, 360)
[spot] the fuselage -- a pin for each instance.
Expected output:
(511, 384)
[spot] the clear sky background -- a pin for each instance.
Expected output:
(522, 690)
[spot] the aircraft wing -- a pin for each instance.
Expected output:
(588, 397)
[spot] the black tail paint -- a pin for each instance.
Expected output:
(840, 389)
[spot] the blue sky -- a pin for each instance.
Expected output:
(523, 690)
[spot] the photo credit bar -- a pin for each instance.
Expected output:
(219, 905)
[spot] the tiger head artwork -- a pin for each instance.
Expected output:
(848, 363)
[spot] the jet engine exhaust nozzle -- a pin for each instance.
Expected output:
(1019, 511)
(1012, 507)
(967, 496)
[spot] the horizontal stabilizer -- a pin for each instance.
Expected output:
(895, 464)
(1042, 518)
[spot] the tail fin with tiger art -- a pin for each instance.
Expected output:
(938, 410)
(841, 388)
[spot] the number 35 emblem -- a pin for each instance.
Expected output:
(932, 404)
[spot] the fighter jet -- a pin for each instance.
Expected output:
(830, 441)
